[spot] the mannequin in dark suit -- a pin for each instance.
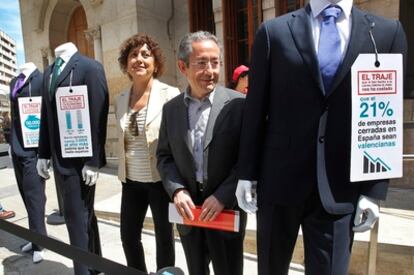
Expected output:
(31, 185)
(202, 171)
(296, 139)
(77, 175)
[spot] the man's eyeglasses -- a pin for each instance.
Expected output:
(203, 64)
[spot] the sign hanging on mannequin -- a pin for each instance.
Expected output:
(29, 111)
(377, 117)
(74, 123)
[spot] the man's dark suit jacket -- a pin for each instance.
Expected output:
(285, 102)
(174, 153)
(16, 139)
(85, 72)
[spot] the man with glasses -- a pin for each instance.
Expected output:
(197, 152)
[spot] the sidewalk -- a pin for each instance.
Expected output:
(395, 241)
(13, 262)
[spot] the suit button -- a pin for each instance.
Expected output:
(321, 139)
(326, 107)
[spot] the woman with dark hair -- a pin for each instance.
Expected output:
(138, 113)
(240, 79)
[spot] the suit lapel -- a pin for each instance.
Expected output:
(73, 61)
(358, 38)
(123, 101)
(155, 102)
(220, 99)
(26, 84)
(24, 90)
(301, 30)
(181, 120)
(46, 83)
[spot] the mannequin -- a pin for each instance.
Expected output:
(31, 185)
(294, 160)
(27, 69)
(89, 174)
(76, 175)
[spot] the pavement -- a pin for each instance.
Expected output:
(13, 262)
(395, 230)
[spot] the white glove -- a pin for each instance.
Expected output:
(90, 175)
(42, 167)
(247, 196)
(366, 214)
(9, 151)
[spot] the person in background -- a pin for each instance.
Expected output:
(240, 79)
(6, 214)
(138, 112)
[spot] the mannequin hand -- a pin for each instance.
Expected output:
(42, 167)
(366, 215)
(90, 175)
(246, 195)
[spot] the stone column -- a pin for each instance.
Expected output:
(47, 57)
(94, 34)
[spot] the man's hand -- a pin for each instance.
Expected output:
(90, 175)
(366, 214)
(183, 203)
(247, 196)
(210, 209)
(42, 167)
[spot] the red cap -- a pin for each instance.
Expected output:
(238, 71)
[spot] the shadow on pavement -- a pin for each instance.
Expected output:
(22, 264)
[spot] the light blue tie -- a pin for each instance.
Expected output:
(329, 52)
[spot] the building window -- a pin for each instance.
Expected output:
(286, 6)
(241, 19)
(201, 16)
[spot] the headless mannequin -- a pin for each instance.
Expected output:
(90, 174)
(27, 69)
(366, 213)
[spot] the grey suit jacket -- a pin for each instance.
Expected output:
(174, 154)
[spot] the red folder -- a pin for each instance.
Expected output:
(227, 220)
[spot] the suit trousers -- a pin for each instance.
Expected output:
(223, 249)
(327, 238)
(136, 197)
(79, 213)
(32, 190)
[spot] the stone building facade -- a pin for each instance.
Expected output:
(98, 27)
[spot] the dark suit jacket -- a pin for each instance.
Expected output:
(174, 153)
(16, 139)
(85, 72)
(286, 100)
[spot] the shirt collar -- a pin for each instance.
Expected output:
(317, 6)
(68, 53)
(188, 98)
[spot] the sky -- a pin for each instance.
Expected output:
(10, 24)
